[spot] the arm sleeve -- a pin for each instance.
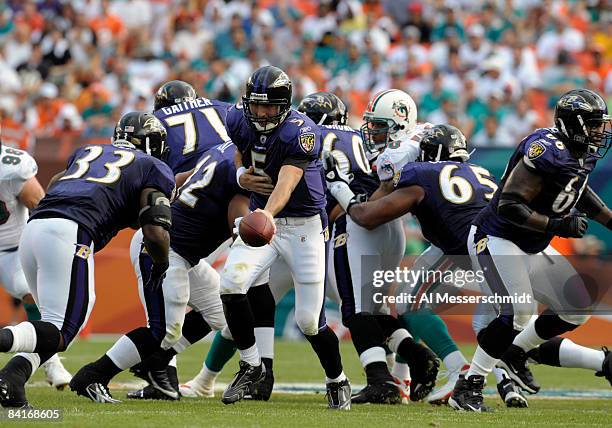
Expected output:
(160, 177)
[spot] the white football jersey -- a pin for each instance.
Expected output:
(398, 154)
(16, 167)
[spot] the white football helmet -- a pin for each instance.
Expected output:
(389, 116)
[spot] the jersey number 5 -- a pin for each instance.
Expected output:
(113, 168)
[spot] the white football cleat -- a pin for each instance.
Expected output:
(56, 373)
(404, 389)
(194, 389)
(440, 395)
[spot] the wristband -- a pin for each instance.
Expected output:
(342, 192)
(239, 172)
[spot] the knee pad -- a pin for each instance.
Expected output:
(307, 321)
(234, 280)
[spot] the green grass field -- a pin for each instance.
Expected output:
(295, 362)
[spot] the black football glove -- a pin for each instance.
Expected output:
(333, 172)
(571, 226)
(158, 273)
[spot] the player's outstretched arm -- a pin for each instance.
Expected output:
(155, 220)
(31, 193)
(288, 178)
(594, 207)
(521, 187)
(372, 214)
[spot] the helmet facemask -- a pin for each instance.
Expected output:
(377, 133)
(268, 122)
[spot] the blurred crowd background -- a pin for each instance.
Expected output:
(492, 68)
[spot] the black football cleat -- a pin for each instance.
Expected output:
(12, 393)
(606, 367)
(467, 395)
(160, 380)
(149, 393)
(424, 371)
(378, 393)
(339, 395)
(87, 382)
(263, 390)
(514, 362)
(244, 382)
(511, 394)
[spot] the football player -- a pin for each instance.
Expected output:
(20, 191)
(104, 189)
(425, 189)
(352, 246)
(278, 152)
(544, 181)
(392, 135)
(203, 217)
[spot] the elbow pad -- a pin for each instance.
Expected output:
(157, 211)
(513, 208)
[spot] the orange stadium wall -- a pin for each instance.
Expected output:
(118, 308)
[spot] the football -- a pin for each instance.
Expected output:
(256, 230)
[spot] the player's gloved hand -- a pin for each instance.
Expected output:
(247, 179)
(571, 226)
(333, 172)
(158, 273)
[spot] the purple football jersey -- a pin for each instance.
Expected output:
(193, 127)
(101, 189)
(297, 138)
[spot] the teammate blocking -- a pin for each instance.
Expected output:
(104, 188)
(545, 179)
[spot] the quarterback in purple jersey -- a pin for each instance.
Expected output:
(545, 183)
(105, 188)
(278, 159)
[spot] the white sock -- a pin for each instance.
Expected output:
(500, 374)
(482, 363)
(528, 339)
(124, 353)
(33, 358)
(576, 356)
(24, 337)
(400, 371)
(264, 338)
(336, 380)
(206, 376)
(373, 355)
(250, 355)
(55, 359)
(455, 361)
